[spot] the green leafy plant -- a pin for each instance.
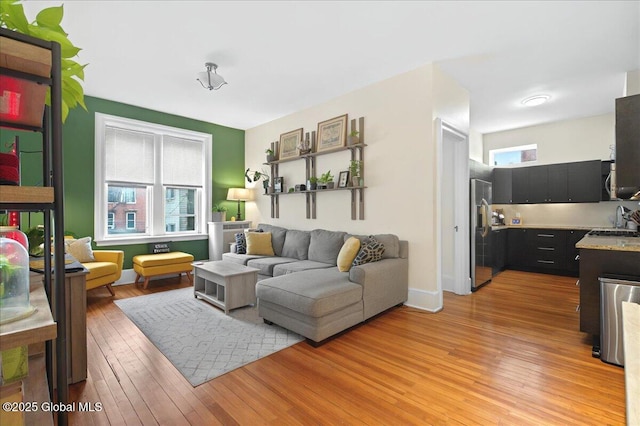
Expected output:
(354, 133)
(268, 151)
(219, 208)
(355, 167)
(326, 177)
(313, 180)
(47, 27)
(254, 175)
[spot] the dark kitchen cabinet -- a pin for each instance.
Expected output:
(501, 186)
(595, 264)
(538, 177)
(573, 259)
(520, 187)
(628, 145)
(516, 249)
(557, 183)
(499, 247)
(584, 181)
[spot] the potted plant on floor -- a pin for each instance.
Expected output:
(219, 213)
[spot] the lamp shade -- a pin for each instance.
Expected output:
(238, 194)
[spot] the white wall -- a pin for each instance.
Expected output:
(399, 170)
(560, 142)
(476, 146)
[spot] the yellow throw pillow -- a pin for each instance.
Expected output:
(259, 243)
(348, 252)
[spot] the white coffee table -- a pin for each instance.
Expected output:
(224, 284)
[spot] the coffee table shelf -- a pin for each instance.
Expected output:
(224, 284)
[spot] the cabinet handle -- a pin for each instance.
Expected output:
(546, 235)
(577, 257)
(578, 283)
(578, 308)
(546, 248)
(548, 262)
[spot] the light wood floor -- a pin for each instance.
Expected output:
(511, 353)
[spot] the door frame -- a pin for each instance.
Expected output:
(461, 201)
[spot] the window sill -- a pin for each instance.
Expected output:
(148, 239)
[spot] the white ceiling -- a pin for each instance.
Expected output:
(281, 57)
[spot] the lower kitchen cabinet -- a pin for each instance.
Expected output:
(499, 247)
(543, 250)
(595, 264)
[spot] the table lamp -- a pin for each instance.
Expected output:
(238, 194)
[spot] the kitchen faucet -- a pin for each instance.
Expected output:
(620, 212)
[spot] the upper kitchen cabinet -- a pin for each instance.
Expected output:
(554, 183)
(628, 145)
(501, 180)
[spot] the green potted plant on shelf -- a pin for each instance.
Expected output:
(47, 27)
(219, 213)
(354, 137)
(255, 176)
(326, 181)
(313, 183)
(271, 156)
(355, 171)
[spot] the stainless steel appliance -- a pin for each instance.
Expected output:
(481, 255)
(614, 291)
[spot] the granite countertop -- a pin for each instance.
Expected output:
(610, 243)
(533, 226)
(631, 338)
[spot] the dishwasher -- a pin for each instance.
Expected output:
(614, 291)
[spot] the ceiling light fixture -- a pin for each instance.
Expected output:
(536, 100)
(211, 80)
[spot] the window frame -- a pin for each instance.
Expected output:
(518, 148)
(127, 227)
(155, 204)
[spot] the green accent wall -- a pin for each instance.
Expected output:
(79, 148)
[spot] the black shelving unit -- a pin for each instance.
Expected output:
(48, 199)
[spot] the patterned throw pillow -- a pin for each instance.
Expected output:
(241, 243)
(371, 251)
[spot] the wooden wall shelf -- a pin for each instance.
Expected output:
(26, 194)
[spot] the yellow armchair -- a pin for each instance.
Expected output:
(106, 270)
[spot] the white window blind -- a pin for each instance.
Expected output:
(129, 156)
(182, 162)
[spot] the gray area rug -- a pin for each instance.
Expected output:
(198, 338)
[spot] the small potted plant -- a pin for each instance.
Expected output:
(254, 176)
(313, 183)
(271, 156)
(355, 170)
(354, 137)
(326, 181)
(219, 213)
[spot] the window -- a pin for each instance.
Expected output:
(131, 221)
(513, 155)
(151, 181)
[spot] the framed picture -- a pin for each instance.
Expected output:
(343, 179)
(332, 133)
(278, 184)
(288, 146)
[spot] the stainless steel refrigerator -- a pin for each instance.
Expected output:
(481, 255)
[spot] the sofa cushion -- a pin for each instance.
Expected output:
(278, 235)
(266, 264)
(100, 269)
(259, 243)
(300, 265)
(240, 259)
(317, 292)
(371, 251)
(391, 243)
(348, 253)
(296, 244)
(325, 246)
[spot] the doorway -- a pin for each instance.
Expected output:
(452, 210)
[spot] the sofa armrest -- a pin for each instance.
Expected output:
(384, 284)
(115, 256)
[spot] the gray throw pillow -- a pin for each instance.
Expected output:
(325, 246)
(370, 252)
(278, 235)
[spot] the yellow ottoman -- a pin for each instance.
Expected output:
(151, 265)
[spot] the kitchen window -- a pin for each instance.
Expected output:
(513, 155)
(151, 181)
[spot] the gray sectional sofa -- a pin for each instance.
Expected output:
(301, 288)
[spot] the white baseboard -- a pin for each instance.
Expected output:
(129, 276)
(425, 300)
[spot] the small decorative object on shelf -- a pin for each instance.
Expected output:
(300, 187)
(278, 184)
(355, 170)
(271, 156)
(326, 181)
(305, 145)
(343, 179)
(313, 183)
(354, 139)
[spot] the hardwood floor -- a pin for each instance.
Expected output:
(510, 353)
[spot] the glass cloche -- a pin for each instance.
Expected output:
(14, 279)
